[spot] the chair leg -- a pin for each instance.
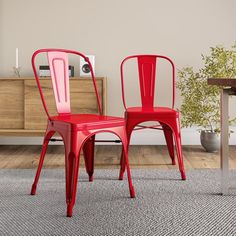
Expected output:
(88, 150)
(125, 161)
(177, 136)
(72, 169)
(41, 160)
(122, 165)
(131, 187)
(72, 159)
(170, 142)
(122, 158)
(180, 158)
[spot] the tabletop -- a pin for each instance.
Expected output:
(222, 82)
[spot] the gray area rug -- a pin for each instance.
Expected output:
(165, 205)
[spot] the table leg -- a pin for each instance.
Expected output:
(224, 148)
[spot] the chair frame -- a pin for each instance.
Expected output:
(169, 125)
(75, 137)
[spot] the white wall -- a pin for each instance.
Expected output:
(111, 30)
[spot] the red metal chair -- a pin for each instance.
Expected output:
(168, 118)
(77, 130)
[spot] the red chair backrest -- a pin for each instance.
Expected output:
(147, 78)
(58, 64)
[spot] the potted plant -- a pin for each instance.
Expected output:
(201, 102)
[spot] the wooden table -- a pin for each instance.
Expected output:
(228, 88)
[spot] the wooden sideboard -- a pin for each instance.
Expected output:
(21, 109)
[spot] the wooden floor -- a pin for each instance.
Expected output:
(108, 156)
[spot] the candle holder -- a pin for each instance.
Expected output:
(16, 71)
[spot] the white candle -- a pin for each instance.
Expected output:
(17, 58)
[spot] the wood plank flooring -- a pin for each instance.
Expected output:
(108, 157)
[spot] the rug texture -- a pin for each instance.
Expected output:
(164, 205)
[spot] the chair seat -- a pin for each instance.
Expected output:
(156, 111)
(90, 121)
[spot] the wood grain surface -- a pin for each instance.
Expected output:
(108, 156)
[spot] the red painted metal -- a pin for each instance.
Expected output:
(58, 62)
(167, 117)
(77, 130)
(88, 150)
(147, 71)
